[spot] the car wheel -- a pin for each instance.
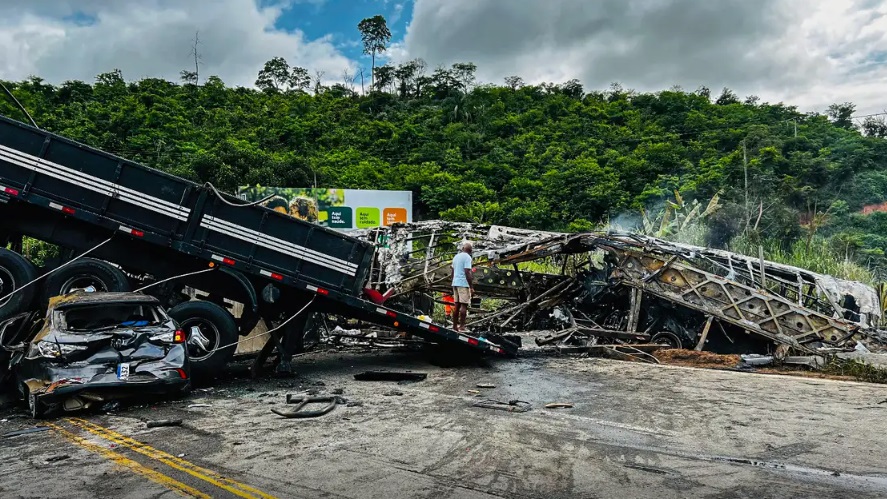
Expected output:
(85, 273)
(37, 408)
(668, 339)
(15, 272)
(211, 331)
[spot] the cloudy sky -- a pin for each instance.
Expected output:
(809, 53)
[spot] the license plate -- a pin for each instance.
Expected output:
(123, 371)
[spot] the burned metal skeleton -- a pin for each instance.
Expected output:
(598, 287)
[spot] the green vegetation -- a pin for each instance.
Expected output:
(548, 156)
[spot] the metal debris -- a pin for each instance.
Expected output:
(601, 291)
(510, 406)
(163, 422)
(26, 431)
(559, 405)
(390, 376)
(302, 401)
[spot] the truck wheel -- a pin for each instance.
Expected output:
(208, 327)
(84, 273)
(15, 271)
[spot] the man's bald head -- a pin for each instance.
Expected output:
(466, 247)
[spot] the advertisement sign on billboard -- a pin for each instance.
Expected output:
(343, 209)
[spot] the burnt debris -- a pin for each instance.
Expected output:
(615, 288)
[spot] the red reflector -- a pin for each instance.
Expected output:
(137, 233)
(182, 373)
(178, 336)
(276, 276)
(227, 261)
(433, 329)
(322, 291)
(473, 341)
(69, 211)
(10, 190)
(389, 313)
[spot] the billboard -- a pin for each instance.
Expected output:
(343, 209)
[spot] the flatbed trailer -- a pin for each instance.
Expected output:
(142, 225)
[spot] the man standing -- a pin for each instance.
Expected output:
(462, 286)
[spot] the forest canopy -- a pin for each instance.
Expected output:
(550, 156)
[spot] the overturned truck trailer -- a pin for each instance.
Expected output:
(613, 287)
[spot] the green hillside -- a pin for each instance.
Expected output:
(550, 156)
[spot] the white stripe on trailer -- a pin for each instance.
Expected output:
(381, 310)
(93, 183)
(99, 182)
(126, 229)
(463, 338)
(218, 258)
(264, 244)
(56, 206)
(424, 324)
(274, 244)
(273, 240)
(311, 288)
(265, 273)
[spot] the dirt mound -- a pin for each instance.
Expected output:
(693, 358)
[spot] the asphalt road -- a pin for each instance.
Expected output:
(634, 431)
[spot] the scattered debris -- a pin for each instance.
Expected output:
(60, 457)
(26, 431)
(473, 392)
(393, 393)
(181, 455)
(756, 359)
(559, 405)
(354, 403)
(390, 376)
(164, 422)
(195, 406)
(485, 385)
(338, 391)
(510, 406)
(302, 401)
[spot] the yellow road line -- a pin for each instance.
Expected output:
(133, 466)
(239, 489)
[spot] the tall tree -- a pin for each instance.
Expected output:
(274, 76)
(842, 114)
(375, 35)
(299, 79)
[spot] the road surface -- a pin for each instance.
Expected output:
(634, 431)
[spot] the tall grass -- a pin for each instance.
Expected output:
(817, 254)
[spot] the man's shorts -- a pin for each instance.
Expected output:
(462, 295)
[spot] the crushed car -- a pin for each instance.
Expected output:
(92, 349)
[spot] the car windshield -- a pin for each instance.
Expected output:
(110, 315)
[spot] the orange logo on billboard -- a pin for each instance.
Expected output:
(392, 216)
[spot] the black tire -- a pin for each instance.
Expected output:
(667, 338)
(217, 326)
(15, 271)
(86, 272)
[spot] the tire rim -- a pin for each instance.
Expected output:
(83, 281)
(203, 338)
(7, 284)
(669, 339)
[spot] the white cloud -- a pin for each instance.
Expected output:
(152, 38)
(808, 53)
